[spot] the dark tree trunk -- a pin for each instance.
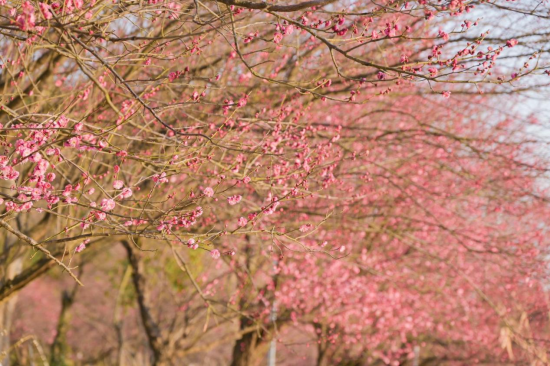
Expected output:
(59, 346)
(243, 350)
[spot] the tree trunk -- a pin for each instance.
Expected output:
(11, 265)
(152, 331)
(59, 346)
(6, 312)
(243, 350)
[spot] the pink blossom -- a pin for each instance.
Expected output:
(511, 43)
(26, 206)
(45, 10)
(192, 244)
(67, 191)
(306, 227)
(52, 200)
(215, 253)
(107, 204)
(208, 192)
(272, 207)
(27, 19)
(277, 38)
(52, 151)
(8, 173)
(242, 221)
(73, 141)
(289, 29)
(126, 193)
(433, 71)
(118, 184)
(172, 76)
(160, 178)
(78, 127)
(242, 102)
(100, 216)
(81, 246)
(11, 206)
(233, 200)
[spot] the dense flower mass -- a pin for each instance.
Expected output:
(360, 182)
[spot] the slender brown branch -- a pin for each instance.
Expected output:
(39, 247)
(277, 8)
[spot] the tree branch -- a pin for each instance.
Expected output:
(24, 278)
(37, 246)
(151, 327)
(277, 8)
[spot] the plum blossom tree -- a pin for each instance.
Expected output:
(347, 165)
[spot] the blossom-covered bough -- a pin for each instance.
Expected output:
(165, 154)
